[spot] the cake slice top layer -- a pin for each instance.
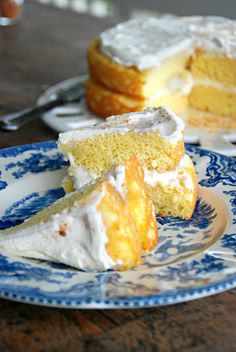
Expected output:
(146, 43)
(161, 120)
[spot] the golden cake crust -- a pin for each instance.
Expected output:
(111, 75)
(105, 102)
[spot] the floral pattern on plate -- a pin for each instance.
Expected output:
(193, 259)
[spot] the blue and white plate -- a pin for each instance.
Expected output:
(193, 259)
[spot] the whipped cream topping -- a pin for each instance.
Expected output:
(161, 120)
(175, 178)
(75, 237)
(146, 43)
(80, 175)
(117, 179)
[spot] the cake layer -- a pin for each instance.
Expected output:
(213, 100)
(104, 102)
(130, 80)
(155, 136)
(215, 67)
(174, 193)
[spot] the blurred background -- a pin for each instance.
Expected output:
(142, 8)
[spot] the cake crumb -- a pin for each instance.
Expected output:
(63, 230)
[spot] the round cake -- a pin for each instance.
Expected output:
(186, 63)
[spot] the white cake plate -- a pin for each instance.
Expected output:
(76, 115)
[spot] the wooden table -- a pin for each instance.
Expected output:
(46, 47)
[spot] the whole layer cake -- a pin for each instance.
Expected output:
(155, 137)
(99, 227)
(186, 63)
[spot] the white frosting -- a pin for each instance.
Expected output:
(117, 179)
(175, 178)
(183, 86)
(146, 43)
(175, 84)
(80, 175)
(161, 120)
(214, 84)
(83, 246)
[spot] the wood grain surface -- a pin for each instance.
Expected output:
(46, 47)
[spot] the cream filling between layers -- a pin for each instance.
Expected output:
(183, 86)
(214, 84)
(175, 178)
(175, 85)
(83, 246)
(81, 176)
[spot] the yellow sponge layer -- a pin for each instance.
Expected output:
(114, 89)
(213, 100)
(105, 102)
(176, 201)
(99, 153)
(213, 66)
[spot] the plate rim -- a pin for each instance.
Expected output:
(155, 300)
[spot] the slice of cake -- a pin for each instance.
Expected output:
(182, 62)
(155, 137)
(129, 181)
(98, 228)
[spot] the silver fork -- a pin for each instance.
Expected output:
(12, 122)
